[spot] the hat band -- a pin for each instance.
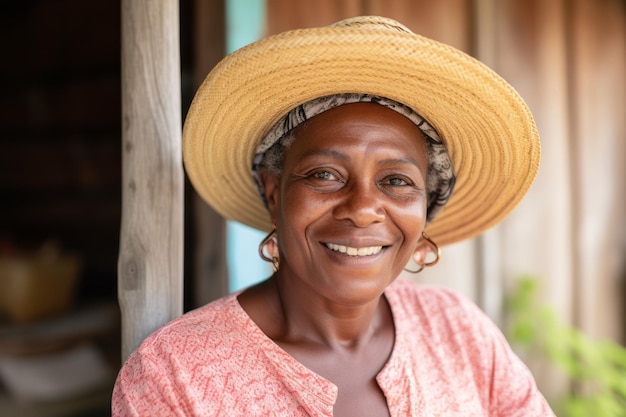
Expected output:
(440, 177)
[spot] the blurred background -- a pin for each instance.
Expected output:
(60, 180)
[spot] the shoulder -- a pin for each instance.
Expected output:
(441, 314)
(203, 338)
(419, 298)
(186, 364)
(464, 345)
(201, 330)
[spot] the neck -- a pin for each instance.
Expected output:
(309, 317)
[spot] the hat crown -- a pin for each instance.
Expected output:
(372, 22)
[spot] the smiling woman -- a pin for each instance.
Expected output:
(345, 143)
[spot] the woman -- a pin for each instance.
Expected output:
(356, 135)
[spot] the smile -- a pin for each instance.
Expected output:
(366, 251)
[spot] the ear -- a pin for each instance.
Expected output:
(420, 255)
(271, 187)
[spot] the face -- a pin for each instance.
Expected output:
(350, 204)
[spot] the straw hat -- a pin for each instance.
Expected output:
(487, 128)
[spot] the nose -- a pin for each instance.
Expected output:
(361, 205)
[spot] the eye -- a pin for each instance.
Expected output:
(324, 180)
(401, 186)
(324, 175)
(397, 181)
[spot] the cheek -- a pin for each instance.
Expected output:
(300, 205)
(298, 209)
(298, 212)
(412, 220)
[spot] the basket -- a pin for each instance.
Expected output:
(37, 287)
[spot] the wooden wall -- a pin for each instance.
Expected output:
(59, 131)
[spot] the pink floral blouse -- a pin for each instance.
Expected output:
(449, 359)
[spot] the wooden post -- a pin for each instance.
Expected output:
(150, 263)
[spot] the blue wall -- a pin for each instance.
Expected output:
(245, 22)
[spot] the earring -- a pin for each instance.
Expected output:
(436, 251)
(415, 271)
(270, 238)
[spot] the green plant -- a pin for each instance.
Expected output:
(597, 369)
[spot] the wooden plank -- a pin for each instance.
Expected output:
(293, 14)
(64, 163)
(536, 239)
(210, 269)
(490, 285)
(89, 103)
(447, 21)
(150, 265)
(597, 33)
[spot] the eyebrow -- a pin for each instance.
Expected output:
(400, 161)
(325, 152)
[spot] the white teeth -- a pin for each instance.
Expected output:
(370, 250)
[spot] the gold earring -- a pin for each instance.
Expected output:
(415, 271)
(271, 237)
(436, 251)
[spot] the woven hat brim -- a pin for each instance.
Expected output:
(488, 129)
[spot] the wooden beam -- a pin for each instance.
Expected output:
(210, 269)
(150, 264)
